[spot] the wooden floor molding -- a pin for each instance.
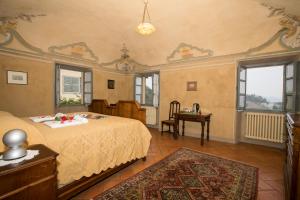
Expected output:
(268, 160)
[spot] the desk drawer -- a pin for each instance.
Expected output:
(43, 190)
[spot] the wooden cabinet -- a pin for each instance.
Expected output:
(291, 165)
(31, 179)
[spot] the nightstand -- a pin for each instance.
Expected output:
(31, 179)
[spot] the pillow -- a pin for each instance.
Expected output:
(8, 122)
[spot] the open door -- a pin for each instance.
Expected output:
(147, 94)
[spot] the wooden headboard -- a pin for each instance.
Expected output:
(129, 109)
(99, 106)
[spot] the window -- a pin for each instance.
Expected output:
(147, 89)
(73, 85)
(138, 89)
(262, 88)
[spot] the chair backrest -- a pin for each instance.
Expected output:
(174, 108)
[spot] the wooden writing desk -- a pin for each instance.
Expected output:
(192, 117)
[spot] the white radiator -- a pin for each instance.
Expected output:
(150, 115)
(265, 126)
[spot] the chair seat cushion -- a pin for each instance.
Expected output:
(169, 121)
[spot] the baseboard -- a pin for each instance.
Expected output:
(152, 126)
(212, 137)
(263, 143)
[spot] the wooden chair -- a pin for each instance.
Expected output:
(174, 108)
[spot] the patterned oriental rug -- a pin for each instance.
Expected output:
(188, 174)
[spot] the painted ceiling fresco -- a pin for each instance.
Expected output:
(186, 29)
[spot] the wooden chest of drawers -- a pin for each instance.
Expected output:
(291, 165)
(30, 179)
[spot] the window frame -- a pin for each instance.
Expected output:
(258, 65)
(140, 85)
(143, 87)
(152, 94)
(293, 93)
(62, 66)
(239, 80)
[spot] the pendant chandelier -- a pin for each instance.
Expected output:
(145, 27)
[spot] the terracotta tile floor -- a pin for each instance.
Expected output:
(268, 160)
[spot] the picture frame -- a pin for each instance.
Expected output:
(191, 86)
(111, 84)
(17, 77)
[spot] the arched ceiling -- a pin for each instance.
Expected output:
(224, 27)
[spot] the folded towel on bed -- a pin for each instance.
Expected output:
(77, 120)
(39, 119)
(59, 124)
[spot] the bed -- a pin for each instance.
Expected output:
(99, 147)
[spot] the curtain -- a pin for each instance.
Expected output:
(155, 90)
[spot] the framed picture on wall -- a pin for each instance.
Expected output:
(16, 77)
(191, 86)
(111, 84)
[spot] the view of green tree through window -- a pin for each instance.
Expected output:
(264, 88)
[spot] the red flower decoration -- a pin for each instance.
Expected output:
(63, 118)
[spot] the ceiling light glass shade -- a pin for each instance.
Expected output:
(145, 28)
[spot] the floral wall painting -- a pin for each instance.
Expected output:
(16, 77)
(186, 52)
(191, 86)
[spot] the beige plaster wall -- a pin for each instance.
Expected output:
(25, 100)
(123, 86)
(215, 93)
(37, 97)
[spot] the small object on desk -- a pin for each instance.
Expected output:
(14, 140)
(196, 107)
(187, 110)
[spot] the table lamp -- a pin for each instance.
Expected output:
(14, 140)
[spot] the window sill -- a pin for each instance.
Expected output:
(71, 105)
(262, 111)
